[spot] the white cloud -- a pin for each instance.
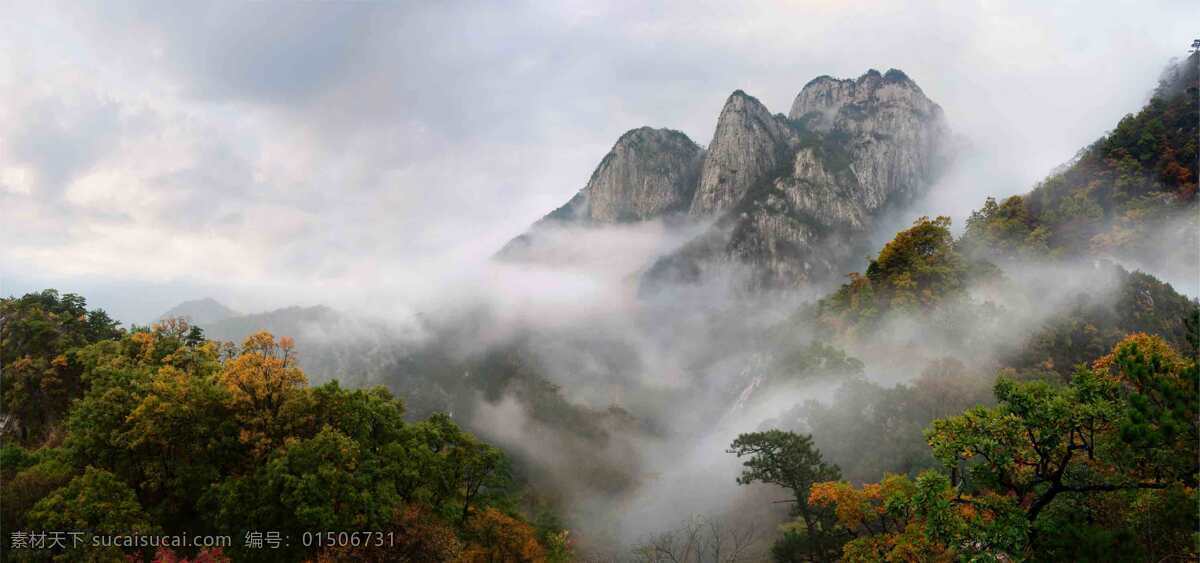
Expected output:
(323, 146)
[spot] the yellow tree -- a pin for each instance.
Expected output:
(259, 380)
(927, 520)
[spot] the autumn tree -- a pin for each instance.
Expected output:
(258, 382)
(154, 416)
(1101, 468)
(916, 272)
(899, 519)
(415, 534)
(496, 536)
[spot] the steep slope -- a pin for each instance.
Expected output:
(649, 173)
(794, 197)
(1131, 195)
(748, 146)
(890, 130)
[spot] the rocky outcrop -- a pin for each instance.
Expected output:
(790, 199)
(748, 147)
(647, 174)
(890, 131)
(795, 197)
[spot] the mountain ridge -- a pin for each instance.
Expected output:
(201, 311)
(773, 186)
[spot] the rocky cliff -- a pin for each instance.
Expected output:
(748, 146)
(648, 174)
(790, 199)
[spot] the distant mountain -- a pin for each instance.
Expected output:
(201, 312)
(790, 197)
(331, 344)
(289, 321)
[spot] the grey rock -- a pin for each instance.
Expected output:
(890, 131)
(749, 146)
(790, 199)
(796, 197)
(647, 174)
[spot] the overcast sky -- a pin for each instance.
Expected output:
(343, 152)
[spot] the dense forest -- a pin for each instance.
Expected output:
(1053, 420)
(159, 431)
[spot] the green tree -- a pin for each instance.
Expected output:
(39, 333)
(789, 460)
(97, 503)
(182, 439)
(1128, 425)
(34, 475)
(1004, 230)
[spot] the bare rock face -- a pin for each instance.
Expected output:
(791, 199)
(647, 174)
(890, 132)
(748, 147)
(795, 198)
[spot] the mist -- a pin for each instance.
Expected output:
(669, 379)
(376, 158)
(367, 177)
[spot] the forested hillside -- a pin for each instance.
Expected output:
(1084, 445)
(1131, 194)
(160, 431)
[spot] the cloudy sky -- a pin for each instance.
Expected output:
(345, 152)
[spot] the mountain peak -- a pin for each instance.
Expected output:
(777, 185)
(647, 174)
(896, 75)
(825, 97)
(201, 311)
(748, 144)
(740, 99)
(796, 195)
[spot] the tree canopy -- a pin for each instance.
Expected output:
(168, 432)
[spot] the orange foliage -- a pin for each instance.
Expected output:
(259, 380)
(1149, 346)
(500, 537)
